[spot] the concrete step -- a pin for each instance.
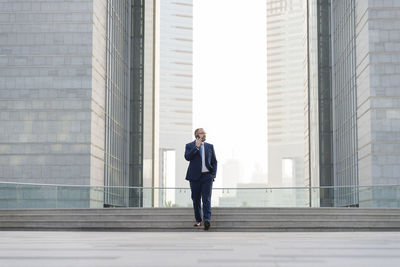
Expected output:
(216, 211)
(228, 225)
(178, 216)
(223, 219)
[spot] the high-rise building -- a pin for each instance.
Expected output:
(354, 65)
(176, 83)
(318, 105)
(232, 174)
(78, 86)
(286, 53)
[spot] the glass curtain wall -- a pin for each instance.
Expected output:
(312, 129)
(320, 101)
(136, 102)
(344, 102)
(325, 102)
(117, 102)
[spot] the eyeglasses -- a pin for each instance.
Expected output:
(202, 133)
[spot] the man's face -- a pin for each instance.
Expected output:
(202, 134)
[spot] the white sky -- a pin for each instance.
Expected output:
(230, 95)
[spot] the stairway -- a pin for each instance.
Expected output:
(182, 219)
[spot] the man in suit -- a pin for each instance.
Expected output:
(201, 173)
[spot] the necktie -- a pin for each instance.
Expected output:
(200, 149)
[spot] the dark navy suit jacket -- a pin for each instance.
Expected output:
(192, 154)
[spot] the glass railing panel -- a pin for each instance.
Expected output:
(173, 197)
(36, 196)
(334, 196)
(8, 196)
(13, 196)
(379, 196)
(73, 196)
(262, 197)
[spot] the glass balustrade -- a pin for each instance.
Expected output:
(19, 195)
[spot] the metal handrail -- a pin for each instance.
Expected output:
(227, 188)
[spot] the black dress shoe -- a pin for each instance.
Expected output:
(207, 225)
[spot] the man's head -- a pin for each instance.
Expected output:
(200, 133)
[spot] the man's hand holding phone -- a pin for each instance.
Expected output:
(198, 141)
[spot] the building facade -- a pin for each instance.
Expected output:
(319, 151)
(286, 54)
(358, 53)
(176, 88)
(73, 83)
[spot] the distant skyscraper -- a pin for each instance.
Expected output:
(176, 83)
(232, 174)
(78, 86)
(354, 63)
(259, 176)
(286, 54)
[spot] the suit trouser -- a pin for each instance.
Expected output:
(201, 190)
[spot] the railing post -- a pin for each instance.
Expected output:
(16, 194)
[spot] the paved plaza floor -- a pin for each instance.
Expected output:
(199, 249)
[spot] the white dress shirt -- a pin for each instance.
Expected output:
(203, 159)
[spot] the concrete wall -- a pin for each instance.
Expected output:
(97, 108)
(378, 98)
